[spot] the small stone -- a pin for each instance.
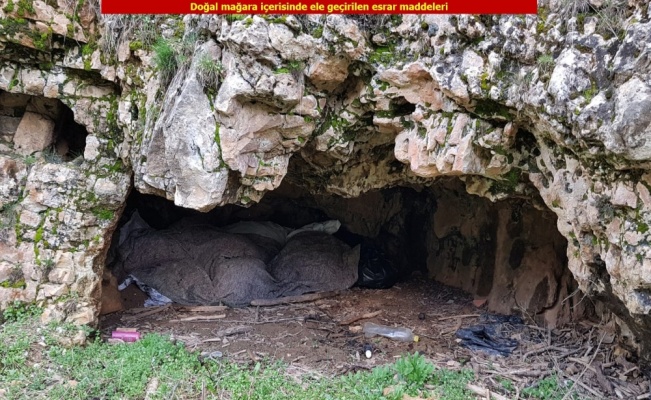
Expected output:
(379, 38)
(124, 51)
(92, 150)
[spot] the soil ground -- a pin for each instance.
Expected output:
(311, 338)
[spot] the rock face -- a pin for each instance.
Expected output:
(554, 107)
(508, 252)
(56, 213)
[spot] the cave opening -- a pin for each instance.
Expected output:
(39, 125)
(508, 256)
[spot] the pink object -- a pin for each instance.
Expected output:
(125, 336)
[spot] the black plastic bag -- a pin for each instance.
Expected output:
(376, 271)
(487, 337)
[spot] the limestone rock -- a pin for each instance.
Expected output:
(632, 121)
(184, 159)
(34, 133)
(12, 172)
(328, 74)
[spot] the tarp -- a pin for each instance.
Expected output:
(206, 265)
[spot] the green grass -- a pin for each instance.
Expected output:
(36, 365)
(103, 214)
(545, 63)
(209, 71)
(165, 58)
(19, 311)
(546, 389)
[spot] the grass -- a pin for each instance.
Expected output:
(545, 63)
(141, 31)
(209, 71)
(612, 15)
(36, 365)
(8, 214)
(171, 55)
(103, 214)
(165, 58)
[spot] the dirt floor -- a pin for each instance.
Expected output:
(319, 338)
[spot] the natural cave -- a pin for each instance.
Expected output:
(508, 254)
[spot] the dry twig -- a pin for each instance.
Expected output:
(201, 308)
(578, 379)
(200, 318)
(293, 299)
(480, 391)
(143, 314)
(350, 320)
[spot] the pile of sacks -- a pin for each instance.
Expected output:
(195, 264)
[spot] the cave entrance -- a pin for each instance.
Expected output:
(38, 125)
(507, 256)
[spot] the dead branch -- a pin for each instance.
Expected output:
(602, 380)
(146, 313)
(359, 317)
(523, 372)
(201, 308)
(582, 362)
(577, 381)
(485, 393)
(235, 330)
(293, 299)
(548, 348)
(584, 386)
(200, 318)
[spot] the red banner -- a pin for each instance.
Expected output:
(320, 7)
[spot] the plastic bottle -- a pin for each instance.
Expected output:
(402, 334)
